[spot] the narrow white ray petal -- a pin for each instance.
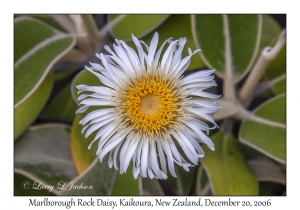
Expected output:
(102, 78)
(188, 80)
(168, 53)
(97, 126)
(153, 160)
(204, 103)
(144, 158)
(177, 55)
(111, 144)
(201, 135)
(138, 152)
(100, 132)
(112, 76)
(110, 160)
(122, 55)
(147, 47)
(82, 109)
(136, 171)
(199, 92)
(150, 173)
(157, 55)
(186, 147)
(116, 149)
(96, 102)
(131, 54)
(199, 85)
(166, 148)
(140, 49)
(199, 74)
(201, 114)
(97, 89)
(128, 156)
(152, 48)
(93, 114)
(162, 157)
(123, 151)
(193, 141)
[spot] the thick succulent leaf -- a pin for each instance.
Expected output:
(51, 21)
(151, 187)
(26, 112)
(83, 78)
(104, 181)
(228, 42)
(276, 72)
(82, 156)
(270, 29)
(226, 168)
(24, 39)
(60, 75)
(43, 154)
(170, 29)
(22, 182)
(62, 107)
(139, 25)
(37, 47)
(267, 171)
(183, 183)
(266, 131)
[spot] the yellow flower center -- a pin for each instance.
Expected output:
(151, 104)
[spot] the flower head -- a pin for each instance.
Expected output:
(147, 109)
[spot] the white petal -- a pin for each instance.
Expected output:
(144, 158)
(186, 147)
(128, 156)
(152, 49)
(166, 147)
(93, 115)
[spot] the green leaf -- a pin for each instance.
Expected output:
(60, 75)
(151, 187)
(25, 39)
(139, 25)
(267, 171)
(270, 29)
(227, 169)
(33, 67)
(183, 183)
(265, 130)
(170, 29)
(38, 47)
(26, 112)
(228, 42)
(51, 21)
(104, 181)
(82, 156)
(62, 107)
(43, 154)
(276, 72)
(83, 78)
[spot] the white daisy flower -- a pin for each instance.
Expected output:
(150, 108)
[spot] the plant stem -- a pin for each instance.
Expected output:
(268, 54)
